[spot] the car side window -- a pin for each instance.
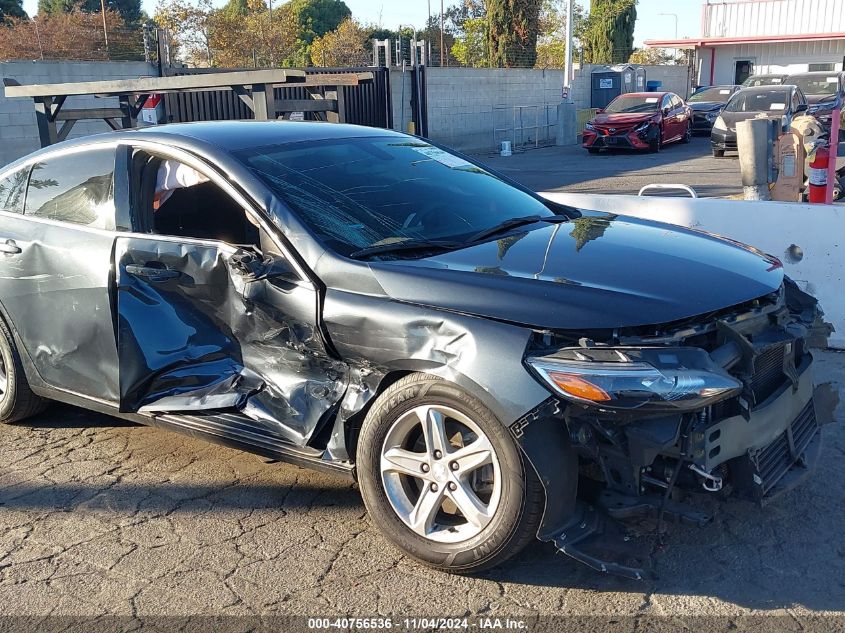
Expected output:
(77, 188)
(666, 102)
(677, 102)
(12, 190)
(174, 199)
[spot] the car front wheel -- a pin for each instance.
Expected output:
(442, 477)
(17, 401)
(656, 144)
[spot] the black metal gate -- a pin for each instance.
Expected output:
(419, 103)
(368, 103)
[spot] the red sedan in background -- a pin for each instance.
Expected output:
(640, 120)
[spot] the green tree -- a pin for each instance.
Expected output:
(651, 56)
(11, 9)
(513, 26)
(345, 46)
(129, 10)
(551, 43)
(608, 36)
(470, 48)
(236, 7)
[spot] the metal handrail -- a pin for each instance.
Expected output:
(686, 188)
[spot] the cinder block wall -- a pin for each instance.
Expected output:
(18, 130)
(466, 104)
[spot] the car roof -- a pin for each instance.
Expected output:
(816, 73)
(769, 88)
(228, 136)
(645, 94)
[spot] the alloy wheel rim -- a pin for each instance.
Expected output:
(4, 378)
(441, 474)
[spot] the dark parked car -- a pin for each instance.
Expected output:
(773, 79)
(825, 92)
(364, 302)
(640, 120)
(707, 104)
(776, 102)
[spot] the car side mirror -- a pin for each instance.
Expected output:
(666, 111)
(802, 107)
(254, 266)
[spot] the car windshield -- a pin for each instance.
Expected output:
(759, 101)
(763, 80)
(815, 84)
(717, 95)
(628, 103)
(359, 193)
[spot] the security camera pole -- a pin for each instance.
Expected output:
(567, 66)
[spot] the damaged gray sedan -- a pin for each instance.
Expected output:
(490, 366)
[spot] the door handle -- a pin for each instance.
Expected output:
(9, 247)
(152, 273)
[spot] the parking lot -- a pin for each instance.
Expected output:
(571, 168)
(99, 517)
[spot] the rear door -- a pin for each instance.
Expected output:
(206, 326)
(56, 239)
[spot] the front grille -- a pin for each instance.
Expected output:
(612, 141)
(730, 144)
(774, 461)
(768, 373)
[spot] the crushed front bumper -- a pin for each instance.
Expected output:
(779, 439)
(724, 140)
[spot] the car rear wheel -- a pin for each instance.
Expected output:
(718, 153)
(687, 137)
(17, 401)
(442, 477)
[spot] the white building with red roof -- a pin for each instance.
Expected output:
(744, 37)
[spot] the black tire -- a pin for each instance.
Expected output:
(718, 153)
(593, 150)
(520, 510)
(17, 401)
(656, 145)
(687, 137)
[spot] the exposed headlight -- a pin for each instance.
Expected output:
(590, 126)
(642, 127)
(659, 378)
(720, 124)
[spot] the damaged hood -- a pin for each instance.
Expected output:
(623, 118)
(598, 271)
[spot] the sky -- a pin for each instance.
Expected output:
(392, 13)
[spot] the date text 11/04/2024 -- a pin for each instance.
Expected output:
(485, 623)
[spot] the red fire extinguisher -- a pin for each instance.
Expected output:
(818, 175)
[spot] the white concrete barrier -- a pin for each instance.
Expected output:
(806, 238)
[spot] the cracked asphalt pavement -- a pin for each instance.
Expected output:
(101, 517)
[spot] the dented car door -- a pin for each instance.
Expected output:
(207, 327)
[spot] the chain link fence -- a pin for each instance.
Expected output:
(77, 37)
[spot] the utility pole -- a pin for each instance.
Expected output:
(105, 32)
(441, 34)
(567, 72)
(428, 35)
(672, 15)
